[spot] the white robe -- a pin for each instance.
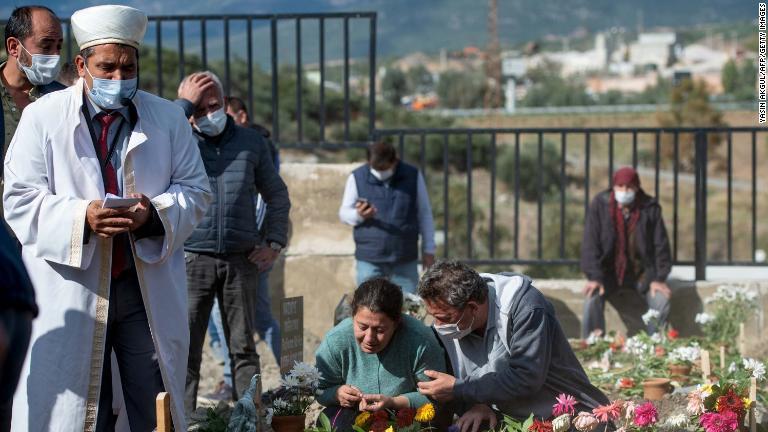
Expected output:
(51, 174)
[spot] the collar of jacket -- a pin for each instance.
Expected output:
(398, 174)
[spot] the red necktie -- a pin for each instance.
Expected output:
(110, 186)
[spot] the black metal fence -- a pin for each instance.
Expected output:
(705, 178)
(502, 196)
(169, 38)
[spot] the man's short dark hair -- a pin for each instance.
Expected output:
(381, 154)
(454, 283)
(236, 104)
(379, 295)
(19, 25)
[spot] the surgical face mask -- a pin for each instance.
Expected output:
(112, 94)
(44, 68)
(383, 175)
(213, 123)
(453, 331)
(624, 197)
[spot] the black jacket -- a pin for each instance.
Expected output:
(239, 166)
(597, 248)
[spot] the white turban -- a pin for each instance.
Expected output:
(99, 25)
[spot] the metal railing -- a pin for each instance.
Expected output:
(163, 41)
(705, 165)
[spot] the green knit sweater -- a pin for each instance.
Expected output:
(391, 372)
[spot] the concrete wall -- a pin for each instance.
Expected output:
(319, 265)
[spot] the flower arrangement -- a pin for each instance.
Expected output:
(402, 420)
(684, 355)
(296, 392)
(727, 307)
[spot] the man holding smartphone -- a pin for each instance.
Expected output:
(386, 202)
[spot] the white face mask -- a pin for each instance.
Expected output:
(624, 197)
(44, 68)
(383, 175)
(453, 331)
(213, 123)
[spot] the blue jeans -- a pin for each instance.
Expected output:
(217, 343)
(403, 274)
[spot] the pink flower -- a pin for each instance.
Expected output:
(585, 422)
(695, 403)
(606, 413)
(726, 421)
(646, 415)
(566, 404)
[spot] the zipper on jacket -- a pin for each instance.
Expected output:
(220, 201)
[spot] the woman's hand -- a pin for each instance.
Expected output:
(348, 396)
(375, 402)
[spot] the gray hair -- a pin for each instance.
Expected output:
(209, 74)
(454, 283)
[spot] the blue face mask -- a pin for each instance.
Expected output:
(111, 94)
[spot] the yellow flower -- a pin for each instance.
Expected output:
(390, 429)
(425, 413)
(706, 389)
(747, 402)
(362, 419)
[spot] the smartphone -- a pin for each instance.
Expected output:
(362, 200)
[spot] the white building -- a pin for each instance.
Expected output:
(658, 49)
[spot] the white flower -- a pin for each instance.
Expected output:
(703, 318)
(302, 375)
(651, 316)
(280, 404)
(732, 367)
(685, 354)
(656, 338)
(677, 421)
(562, 423)
(756, 367)
(290, 381)
(593, 338)
(636, 347)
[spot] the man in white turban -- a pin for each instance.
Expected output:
(109, 273)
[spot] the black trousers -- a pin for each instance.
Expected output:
(18, 328)
(128, 334)
(233, 280)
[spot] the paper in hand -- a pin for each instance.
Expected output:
(114, 201)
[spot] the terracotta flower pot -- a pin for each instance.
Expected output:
(656, 388)
(679, 370)
(288, 423)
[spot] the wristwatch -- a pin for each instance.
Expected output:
(275, 246)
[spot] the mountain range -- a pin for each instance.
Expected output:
(405, 26)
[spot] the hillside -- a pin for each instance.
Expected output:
(406, 26)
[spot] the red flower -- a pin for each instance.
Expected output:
(540, 426)
(673, 334)
(626, 383)
(730, 402)
(381, 415)
(379, 425)
(660, 351)
(404, 417)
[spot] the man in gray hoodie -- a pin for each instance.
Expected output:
(505, 345)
